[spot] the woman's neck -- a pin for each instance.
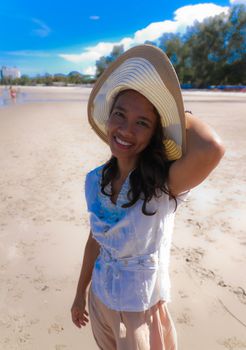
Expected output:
(124, 168)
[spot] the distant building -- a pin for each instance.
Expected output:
(7, 72)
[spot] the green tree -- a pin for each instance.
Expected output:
(24, 80)
(101, 65)
(235, 68)
(207, 51)
(172, 44)
(6, 81)
(216, 49)
(75, 78)
(104, 62)
(48, 80)
(116, 52)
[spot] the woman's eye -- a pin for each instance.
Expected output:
(142, 123)
(118, 114)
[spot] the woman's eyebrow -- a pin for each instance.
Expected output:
(120, 108)
(146, 119)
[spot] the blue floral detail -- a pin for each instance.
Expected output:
(106, 209)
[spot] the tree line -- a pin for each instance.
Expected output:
(49, 80)
(212, 52)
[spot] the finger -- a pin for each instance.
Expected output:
(83, 323)
(79, 318)
(83, 320)
(86, 317)
(86, 313)
(76, 318)
(77, 323)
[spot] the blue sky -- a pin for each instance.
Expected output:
(51, 36)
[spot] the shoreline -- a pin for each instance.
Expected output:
(89, 86)
(43, 94)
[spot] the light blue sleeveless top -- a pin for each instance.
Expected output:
(131, 272)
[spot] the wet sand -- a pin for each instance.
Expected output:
(46, 148)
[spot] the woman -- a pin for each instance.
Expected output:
(12, 93)
(159, 153)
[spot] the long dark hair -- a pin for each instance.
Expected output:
(151, 172)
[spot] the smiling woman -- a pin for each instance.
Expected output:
(159, 153)
(130, 126)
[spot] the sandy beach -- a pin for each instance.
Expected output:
(46, 148)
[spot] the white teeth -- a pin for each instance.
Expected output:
(122, 142)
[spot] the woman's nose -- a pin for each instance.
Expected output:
(127, 128)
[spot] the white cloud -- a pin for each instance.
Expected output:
(43, 29)
(188, 14)
(91, 53)
(94, 18)
(90, 70)
(236, 2)
(126, 42)
(82, 57)
(183, 17)
(154, 31)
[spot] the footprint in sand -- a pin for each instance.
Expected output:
(232, 343)
(182, 294)
(194, 255)
(240, 293)
(55, 328)
(25, 337)
(184, 318)
(60, 347)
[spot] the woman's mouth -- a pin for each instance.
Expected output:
(122, 143)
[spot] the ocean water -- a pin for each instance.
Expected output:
(25, 97)
(6, 100)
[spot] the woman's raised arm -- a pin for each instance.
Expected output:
(203, 152)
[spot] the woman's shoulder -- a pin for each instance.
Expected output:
(96, 172)
(93, 177)
(92, 183)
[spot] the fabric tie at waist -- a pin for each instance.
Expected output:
(149, 261)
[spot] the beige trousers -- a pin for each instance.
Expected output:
(152, 329)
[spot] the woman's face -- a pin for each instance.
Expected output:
(131, 125)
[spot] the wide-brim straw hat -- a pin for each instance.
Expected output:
(146, 69)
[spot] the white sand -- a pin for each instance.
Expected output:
(46, 148)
